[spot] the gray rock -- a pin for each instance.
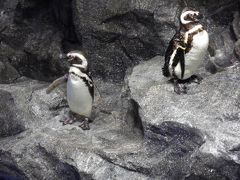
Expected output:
(30, 39)
(237, 49)
(10, 120)
(135, 138)
(124, 141)
(115, 35)
(8, 73)
(236, 25)
(222, 47)
(211, 108)
(46, 149)
(118, 34)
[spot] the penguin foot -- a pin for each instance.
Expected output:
(67, 121)
(85, 124)
(196, 79)
(179, 88)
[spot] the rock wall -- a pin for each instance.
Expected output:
(115, 35)
(140, 128)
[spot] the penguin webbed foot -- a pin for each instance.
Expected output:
(85, 124)
(67, 121)
(196, 79)
(179, 88)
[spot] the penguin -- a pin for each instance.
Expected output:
(80, 88)
(186, 50)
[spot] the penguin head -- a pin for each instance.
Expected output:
(77, 59)
(190, 15)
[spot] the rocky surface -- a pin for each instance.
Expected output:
(114, 35)
(44, 149)
(140, 128)
(32, 39)
(129, 31)
(236, 27)
(155, 135)
(212, 108)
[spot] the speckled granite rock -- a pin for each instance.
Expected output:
(212, 107)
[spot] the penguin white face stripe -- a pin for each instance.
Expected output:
(183, 15)
(79, 66)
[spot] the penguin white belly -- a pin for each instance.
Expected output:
(78, 96)
(194, 58)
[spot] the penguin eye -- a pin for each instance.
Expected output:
(192, 17)
(70, 57)
(188, 17)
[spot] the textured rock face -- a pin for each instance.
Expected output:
(48, 149)
(31, 40)
(156, 135)
(211, 107)
(115, 35)
(141, 129)
(236, 27)
(118, 34)
(10, 124)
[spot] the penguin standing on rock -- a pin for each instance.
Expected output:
(80, 89)
(186, 51)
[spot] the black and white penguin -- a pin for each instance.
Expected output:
(186, 50)
(80, 89)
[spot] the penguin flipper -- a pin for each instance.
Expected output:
(56, 83)
(179, 58)
(175, 44)
(180, 55)
(169, 51)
